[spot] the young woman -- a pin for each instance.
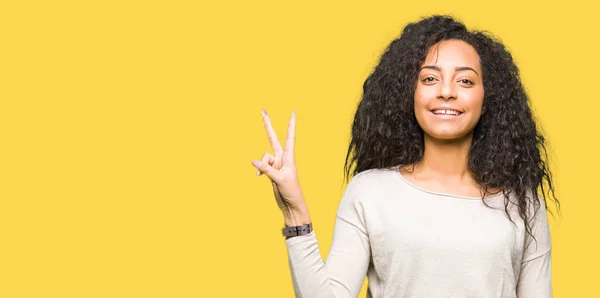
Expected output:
(448, 165)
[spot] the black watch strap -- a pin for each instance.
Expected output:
(297, 230)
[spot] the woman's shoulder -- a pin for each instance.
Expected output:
(373, 181)
(378, 175)
(365, 189)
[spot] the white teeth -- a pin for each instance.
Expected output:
(446, 112)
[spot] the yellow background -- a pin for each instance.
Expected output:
(127, 129)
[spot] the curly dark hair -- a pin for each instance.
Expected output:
(508, 151)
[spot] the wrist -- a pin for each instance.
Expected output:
(296, 216)
(294, 231)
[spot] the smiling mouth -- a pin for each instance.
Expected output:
(446, 112)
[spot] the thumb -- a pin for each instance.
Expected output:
(267, 169)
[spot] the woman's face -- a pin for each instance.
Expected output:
(449, 93)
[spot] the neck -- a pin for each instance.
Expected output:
(446, 158)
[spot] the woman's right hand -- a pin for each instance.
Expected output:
(280, 167)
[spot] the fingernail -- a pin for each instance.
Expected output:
(257, 173)
(264, 113)
(294, 113)
(256, 163)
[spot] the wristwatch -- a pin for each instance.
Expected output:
(297, 230)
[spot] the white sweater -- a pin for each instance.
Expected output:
(415, 243)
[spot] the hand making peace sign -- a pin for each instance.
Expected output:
(281, 170)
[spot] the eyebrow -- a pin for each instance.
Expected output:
(459, 68)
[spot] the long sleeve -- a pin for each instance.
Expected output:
(344, 271)
(535, 280)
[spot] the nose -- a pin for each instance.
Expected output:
(446, 91)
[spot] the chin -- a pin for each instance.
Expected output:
(448, 135)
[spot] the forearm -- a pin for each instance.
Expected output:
(309, 275)
(342, 275)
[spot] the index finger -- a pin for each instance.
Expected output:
(271, 133)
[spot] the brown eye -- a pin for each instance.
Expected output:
(465, 81)
(428, 79)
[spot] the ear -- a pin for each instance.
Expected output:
(483, 110)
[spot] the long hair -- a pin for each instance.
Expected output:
(508, 151)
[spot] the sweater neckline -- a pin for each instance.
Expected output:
(465, 198)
